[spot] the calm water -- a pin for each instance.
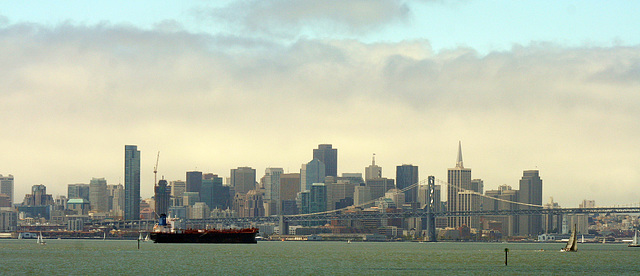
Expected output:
(310, 258)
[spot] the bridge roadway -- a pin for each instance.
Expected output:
(352, 215)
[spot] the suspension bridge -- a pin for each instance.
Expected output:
(428, 211)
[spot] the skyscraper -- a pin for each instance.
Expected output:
(6, 187)
(78, 191)
(329, 156)
(407, 175)
(272, 183)
(98, 195)
(194, 181)
(315, 173)
(131, 182)
(213, 193)
(373, 171)
(531, 193)
(243, 179)
(162, 195)
(459, 180)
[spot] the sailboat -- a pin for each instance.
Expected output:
(147, 238)
(572, 243)
(140, 237)
(582, 239)
(41, 239)
(634, 243)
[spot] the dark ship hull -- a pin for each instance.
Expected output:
(206, 236)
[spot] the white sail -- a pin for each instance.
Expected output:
(572, 244)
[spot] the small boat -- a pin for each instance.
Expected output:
(140, 237)
(634, 243)
(572, 245)
(582, 239)
(348, 241)
(41, 239)
(147, 238)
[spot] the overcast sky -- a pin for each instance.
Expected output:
(547, 85)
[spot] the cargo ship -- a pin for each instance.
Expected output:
(164, 232)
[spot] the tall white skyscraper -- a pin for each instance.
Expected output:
(459, 179)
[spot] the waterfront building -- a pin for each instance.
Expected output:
(194, 181)
(162, 195)
(98, 195)
(373, 171)
(531, 193)
(8, 220)
(131, 182)
(407, 175)
(459, 180)
(315, 173)
(6, 187)
(329, 157)
(243, 179)
(78, 191)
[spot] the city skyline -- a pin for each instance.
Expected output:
(523, 85)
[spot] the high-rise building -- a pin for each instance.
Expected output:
(98, 195)
(213, 193)
(116, 195)
(459, 180)
(531, 193)
(178, 187)
(162, 196)
(315, 173)
(361, 195)
(379, 186)
(6, 187)
(318, 198)
(243, 179)
(373, 171)
(289, 186)
(78, 191)
(407, 175)
(329, 156)
(272, 183)
(131, 182)
(194, 181)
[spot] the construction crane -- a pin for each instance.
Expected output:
(155, 170)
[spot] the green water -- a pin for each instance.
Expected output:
(84, 257)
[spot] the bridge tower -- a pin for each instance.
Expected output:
(431, 217)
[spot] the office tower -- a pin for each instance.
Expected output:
(38, 196)
(249, 204)
(379, 186)
(459, 180)
(6, 187)
(340, 191)
(477, 185)
(194, 181)
(303, 177)
(178, 187)
(199, 210)
(398, 198)
(78, 191)
(289, 189)
(423, 195)
(586, 203)
(162, 196)
(214, 194)
(243, 179)
(302, 201)
(98, 195)
(531, 193)
(116, 194)
(131, 182)
(373, 171)
(507, 223)
(315, 173)
(361, 195)
(329, 157)
(272, 183)
(407, 175)
(318, 198)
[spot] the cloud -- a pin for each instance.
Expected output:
(73, 96)
(288, 18)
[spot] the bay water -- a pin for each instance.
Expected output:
(119, 257)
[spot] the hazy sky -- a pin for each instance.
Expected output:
(548, 85)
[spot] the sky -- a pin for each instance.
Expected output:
(546, 85)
